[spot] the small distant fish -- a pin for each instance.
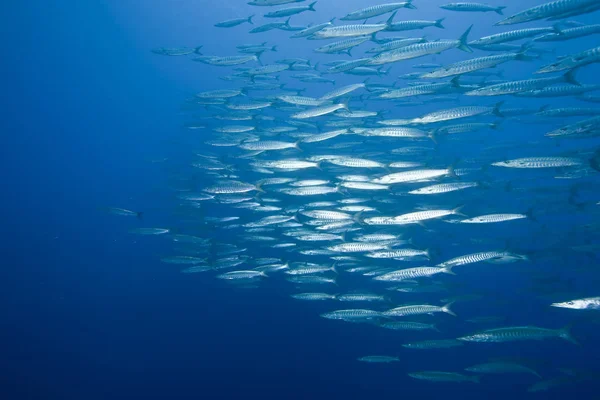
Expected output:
(473, 7)
(378, 359)
(439, 376)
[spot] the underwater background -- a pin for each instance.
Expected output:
(90, 311)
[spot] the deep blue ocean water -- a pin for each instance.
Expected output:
(89, 311)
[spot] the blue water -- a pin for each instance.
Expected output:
(89, 311)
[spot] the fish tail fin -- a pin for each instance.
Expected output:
(374, 37)
(390, 20)
(197, 50)
(410, 5)
(333, 269)
(250, 19)
(331, 20)
(297, 145)
(438, 23)
(565, 333)
(499, 10)
(455, 82)
(448, 270)
(451, 172)
(274, 48)
(569, 77)
(529, 214)
(343, 236)
(287, 22)
(447, 309)
(311, 6)
(358, 218)
(140, 215)
(458, 210)
(496, 110)
(463, 40)
(259, 188)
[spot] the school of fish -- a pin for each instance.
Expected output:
(360, 196)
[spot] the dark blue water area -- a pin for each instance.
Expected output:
(89, 311)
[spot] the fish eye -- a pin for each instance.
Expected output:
(570, 303)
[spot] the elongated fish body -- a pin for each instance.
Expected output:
(349, 30)
(472, 7)
(468, 127)
(310, 190)
(501, 368)
(358, 247)
(396, 44)
(399, 253)
(414, 24)
(220, 94)
(287, 164)
(520, 86)
(235, 275)
(552, 10)
(570, 33)
(269, 27)
(440, 376)
(569, 112)
(474, 64)
(585, 128)
(342, 46)
(286, 12)
(433, 344)
(588, 303)
(473, 258)
(360, 297)
(312, 29)
(410, 273)
(559, 91)
(517, 333)
(272, 2)
(313, 296)
(443, 188)
(267, 69)
(412, 176)
(318, 111)
(453, 114)
(363, 186)
(377, 10)
(572, 61)
(352, 314)
(266, 145)
(539, 162)
(230, 187)
(234, 22)
(419, 216)
(378, 359)
(348, 65)
(341, 91)
(408, 326)
(320, 137)
(355, 162)
(493, 218)
(417, 90)
(176, 51)
(510, 36)
(326, 215)
(228, 60)
(309, 182)
(301, 100)
(404, 311)
(419, 50)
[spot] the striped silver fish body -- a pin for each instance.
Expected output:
(349, 30)
(375, 11)
(396, 44)
(342, 45)
(413, 310)
(515, 86)
(471, 65)
(410, 273)
(493, 218)
(539, 162)
(552, 10)
(443, 188)
(586, 57)
(510, 36)
(571, 33)
(473, 258)
(585, 128)
(414, 51)
(453, 113)
(518, 333)
(352, 314)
